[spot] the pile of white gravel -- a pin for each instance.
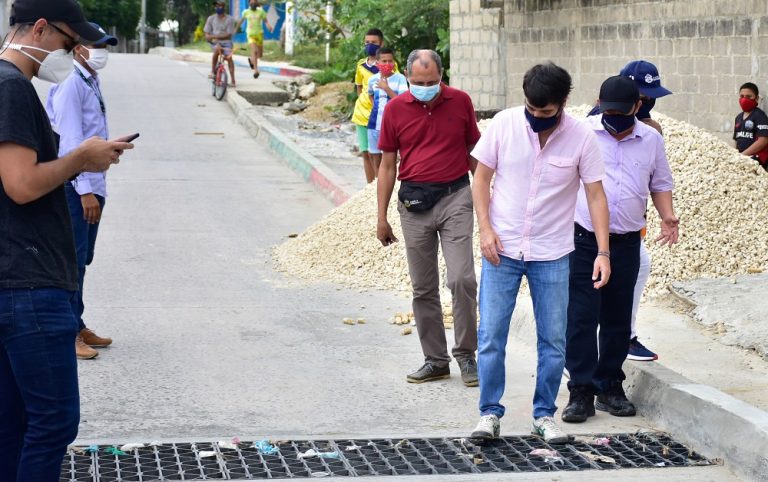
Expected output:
(720, 196)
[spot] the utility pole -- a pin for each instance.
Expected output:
(143, 28)
(328, 19)
(289, 27)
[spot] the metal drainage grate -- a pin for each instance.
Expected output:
(352, 458)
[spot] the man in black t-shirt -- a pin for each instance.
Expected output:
(751, 127)
(39, 401)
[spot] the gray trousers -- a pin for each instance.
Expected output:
(450, 222)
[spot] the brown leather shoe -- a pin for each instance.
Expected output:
(83, 351)
(92, 339)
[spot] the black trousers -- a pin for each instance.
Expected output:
(593, 360)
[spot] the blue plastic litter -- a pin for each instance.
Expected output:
(265, 447)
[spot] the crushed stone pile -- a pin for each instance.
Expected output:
(720, 197)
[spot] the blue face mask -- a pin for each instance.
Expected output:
(219, 10)
(539, 124)
(371, 49)
(645, 109)
(425, 94)
(618, 123)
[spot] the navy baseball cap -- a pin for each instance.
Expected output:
(106, 39)
(618, 93)
(66, 11)
(646, 75)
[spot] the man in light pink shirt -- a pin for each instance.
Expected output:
(539, 155)
(636, 166)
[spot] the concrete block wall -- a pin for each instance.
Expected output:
(704, 49)
(477, 41)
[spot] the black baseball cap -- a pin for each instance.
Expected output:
(618, 93)
(105, 39)
(67, 11)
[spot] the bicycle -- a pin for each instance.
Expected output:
(220, 76)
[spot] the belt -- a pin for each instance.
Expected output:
(580, 230)
(448, 187)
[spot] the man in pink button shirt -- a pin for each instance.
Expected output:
(539, 155)
(636, 166)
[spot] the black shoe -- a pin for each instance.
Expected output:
(429, 372)
(581, 405)
(468, 369)
(615, 402)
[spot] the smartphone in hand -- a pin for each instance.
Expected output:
(129, 138)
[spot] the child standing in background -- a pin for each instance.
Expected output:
(366, 68)
(382, 87)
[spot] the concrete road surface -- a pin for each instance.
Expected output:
(210, 342)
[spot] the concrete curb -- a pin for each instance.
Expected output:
(711, 422)
(285, 70)
(311, 169)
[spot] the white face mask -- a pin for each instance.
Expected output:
(97, 58)
(55, 67)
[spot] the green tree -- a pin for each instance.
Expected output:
(123, 14)
(407, 25)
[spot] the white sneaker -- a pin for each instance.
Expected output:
(546, 428)
(487, 428)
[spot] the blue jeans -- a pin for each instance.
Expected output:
(39, 399)
(499, 285)
(85, 245)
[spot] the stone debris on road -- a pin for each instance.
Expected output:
(719, 197)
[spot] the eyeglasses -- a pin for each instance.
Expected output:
(68, 47)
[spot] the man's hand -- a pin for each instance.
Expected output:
(669, 231)
(383, 83)
(491, 246)
(384, 233)
(602, 271)
(98, 155)
(91, 208)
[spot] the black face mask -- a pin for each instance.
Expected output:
(539, 124)
(618, 123)
(645, 109)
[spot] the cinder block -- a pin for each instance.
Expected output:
(707, 84)
(703, 66)
(738, 46)
(722, 66)
(742, 65)
(727, 84)
(682, 47)
(701, 46)
(719, 46)
(665, 47)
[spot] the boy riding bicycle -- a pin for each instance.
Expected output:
(219, 29)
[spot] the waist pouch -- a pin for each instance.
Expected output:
(422, 196)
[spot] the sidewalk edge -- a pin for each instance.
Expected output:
(240, 60)
(311, 169)
(708, 420)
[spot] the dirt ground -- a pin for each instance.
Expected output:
(329, 103)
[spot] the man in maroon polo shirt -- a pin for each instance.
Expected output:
(433, 127)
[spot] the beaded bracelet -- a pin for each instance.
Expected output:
(607, 254)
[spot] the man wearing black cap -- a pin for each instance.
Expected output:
(77, 111)
(635, 166)
(39, 400)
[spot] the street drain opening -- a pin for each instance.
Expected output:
(361, 457)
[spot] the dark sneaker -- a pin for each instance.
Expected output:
(615, 402)
(429, 372)
(487, 429)
(638, 352)
(468, 369)
(581, 405)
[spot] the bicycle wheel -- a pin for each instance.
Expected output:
(221, 83)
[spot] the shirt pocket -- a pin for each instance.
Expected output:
(559, 170)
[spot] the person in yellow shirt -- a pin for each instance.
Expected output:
(254, 15)
(365, 69)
